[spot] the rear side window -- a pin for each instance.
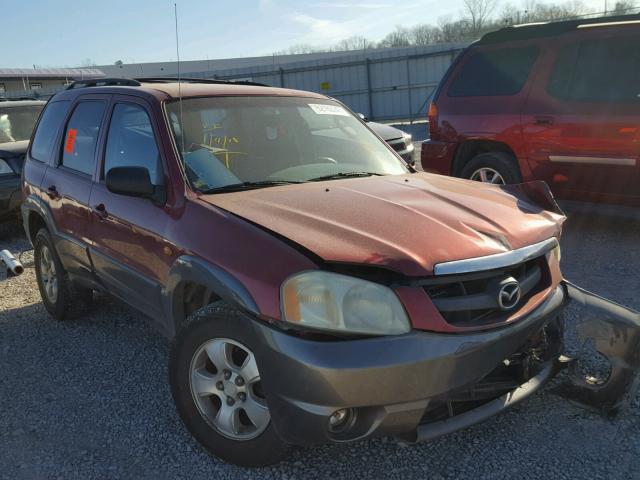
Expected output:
(131, 142)
(494, 73)
(44, 139)
(602, 70)
(81, 137)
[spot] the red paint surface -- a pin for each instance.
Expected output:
(609, 130)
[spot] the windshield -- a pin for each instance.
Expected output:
(16, 123)
(260, 141)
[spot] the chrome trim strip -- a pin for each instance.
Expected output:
(498, 260)
(625, 162)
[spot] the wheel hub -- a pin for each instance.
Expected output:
(488, 175)
(223, 377)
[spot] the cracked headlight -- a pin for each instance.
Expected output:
(330, 301)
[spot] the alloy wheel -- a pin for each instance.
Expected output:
(487, 175)
(225, 386)
(48, 274)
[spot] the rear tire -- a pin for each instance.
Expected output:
(61, 297)
(196, 373)
(498, 168)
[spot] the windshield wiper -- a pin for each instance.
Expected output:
(235, 187)
(345, 175)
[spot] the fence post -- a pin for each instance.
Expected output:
(409, 92)
(281, 70)
(369, 92)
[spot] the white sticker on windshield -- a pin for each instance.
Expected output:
(324, 109)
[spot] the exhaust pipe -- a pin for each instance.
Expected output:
(14, 267)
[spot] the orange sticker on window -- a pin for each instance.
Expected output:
(71, 140)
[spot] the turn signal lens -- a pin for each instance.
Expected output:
(433, 119)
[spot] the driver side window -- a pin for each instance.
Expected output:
(131, 142)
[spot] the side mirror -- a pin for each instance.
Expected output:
(362, 116)
(134, 182)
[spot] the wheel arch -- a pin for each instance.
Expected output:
(36, 215)
(194, 283)
(471, 148)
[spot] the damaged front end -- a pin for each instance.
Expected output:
(614, 332)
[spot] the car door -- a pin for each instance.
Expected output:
(67, 183)
(582, 120)
(129, 252)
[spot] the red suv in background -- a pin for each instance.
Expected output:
(557, 102)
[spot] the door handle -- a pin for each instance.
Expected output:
(100, 211)
(52, 192)
(544, 120)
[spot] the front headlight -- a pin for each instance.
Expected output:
(330, 301)
(407, 137)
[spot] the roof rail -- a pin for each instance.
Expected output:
(199, 80)
(550, 29)
(104, 82)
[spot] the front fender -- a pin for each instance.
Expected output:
(217, 281)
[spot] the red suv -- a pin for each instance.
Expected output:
(557, 102)
(315, 288)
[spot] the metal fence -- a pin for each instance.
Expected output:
(383, 84)
(389, 84)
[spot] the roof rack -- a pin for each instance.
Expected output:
(198, 80)
(550, 29)
(104, 82)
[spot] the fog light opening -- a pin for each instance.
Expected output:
(340, 420)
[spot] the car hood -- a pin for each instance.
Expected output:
(405, 223)
(14, 148)
(386, 132)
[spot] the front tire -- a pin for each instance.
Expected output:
(497, 168)
(215, 383)
(60, 296)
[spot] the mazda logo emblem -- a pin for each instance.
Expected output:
(509, 295)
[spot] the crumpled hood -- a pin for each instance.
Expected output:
(405, 223)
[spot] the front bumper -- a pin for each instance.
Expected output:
(389, 382)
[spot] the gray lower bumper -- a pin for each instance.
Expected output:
(389, 381)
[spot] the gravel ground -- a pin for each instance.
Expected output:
(89, 398)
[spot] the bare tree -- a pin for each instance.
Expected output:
(454, 30)
(624, 7)
(298, 49)
(425, 35)
(478, 13)
(542, 12)
(398, 38)
(356, 42)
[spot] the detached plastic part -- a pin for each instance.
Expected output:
(14, 267)
(537, 193)
(615, 331)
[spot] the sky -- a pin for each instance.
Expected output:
(67, 33)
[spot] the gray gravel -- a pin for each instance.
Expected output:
(89, 398)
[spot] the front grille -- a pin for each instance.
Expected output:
(472, 300)
(398, 144)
